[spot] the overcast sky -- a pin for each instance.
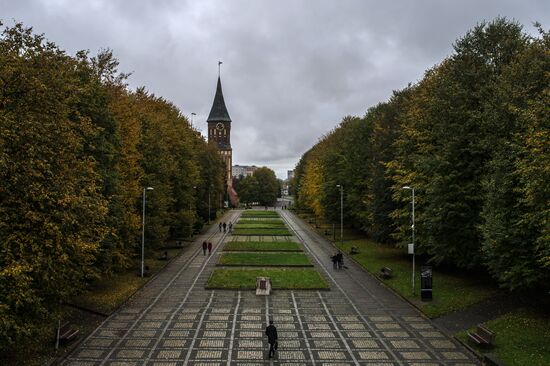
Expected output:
(291, 69)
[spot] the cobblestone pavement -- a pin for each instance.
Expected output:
(175, 321)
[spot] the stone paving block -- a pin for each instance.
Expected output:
(404, 344)
(250, 343)
(168, 354)
(315, 334)
(422, 326)
(331, 355)
(315, 318)
(318, 326)
(285, 326)
(454, 355)
(288, 334)
(182, 325)
(373, 355)
(80, 363)
(99, 342)
(438, 343)
(252, 334)
(156, 316)
(395, 334)
(90, 353)
(416, 355)
(130, 353)
(352, 326)
(347, 318)
(178, 333)
(291, 355)
(385, 326)
(431, 334)
(211, 343)
(290, 344)
(173, 343)
(138, 342)
(359, 334)
(122, 363)
(256, 318)
(365, 343)
(216, 325)
(252, 326)
(250, 355)
(187, 316)
(215, 333)
(336, 364)
(208, 354)
(381, 318)
(144, 333)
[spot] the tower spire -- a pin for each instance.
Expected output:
(219, 64)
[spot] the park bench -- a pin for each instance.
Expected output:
(482, 336)
(385, 273)
(66, 333)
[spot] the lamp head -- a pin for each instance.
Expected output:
(149, 188)
(406, 187)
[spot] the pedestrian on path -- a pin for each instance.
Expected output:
(230, 227)
(224, 226)
(334, 259)
(271, 333)
(220, 226)
(209, 247)
(340, 257)
(204, 246)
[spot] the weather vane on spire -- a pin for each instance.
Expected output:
(219, 64)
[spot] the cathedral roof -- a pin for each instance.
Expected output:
(218, 113)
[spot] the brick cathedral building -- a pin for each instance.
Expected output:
(219, 131)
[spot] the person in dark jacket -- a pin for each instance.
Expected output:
(334, 259)
(224, 226)
(220, 226)
(340, 260)
(271, 332)
(209, 247)
(204, 246)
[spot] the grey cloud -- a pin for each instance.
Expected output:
(292, 68)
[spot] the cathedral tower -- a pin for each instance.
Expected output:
(219, 131)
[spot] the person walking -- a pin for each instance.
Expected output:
(220, 226)
(230, 227)
(340, 260)
(334, 259)
(209, 247)
(224, 226)
(271, 333)
(204, 246)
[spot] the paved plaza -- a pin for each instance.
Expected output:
(175, 321)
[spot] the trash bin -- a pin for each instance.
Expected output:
(426, 283)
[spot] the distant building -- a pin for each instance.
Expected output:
(244, 170)
(289, 174)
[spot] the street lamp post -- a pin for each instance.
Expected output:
(192, 115)
(143, 230)
(341, 212)
(209, 205)
(412, 228)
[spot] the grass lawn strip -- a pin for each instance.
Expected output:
(451, 292)
(262, 246)
(521, 338)
(281, 278)
(259, 220)
(260, 225)
(264, 259)
(259, 213)
(264, 232)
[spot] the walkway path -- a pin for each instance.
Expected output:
(175, 321)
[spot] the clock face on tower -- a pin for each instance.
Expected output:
(219, 126)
